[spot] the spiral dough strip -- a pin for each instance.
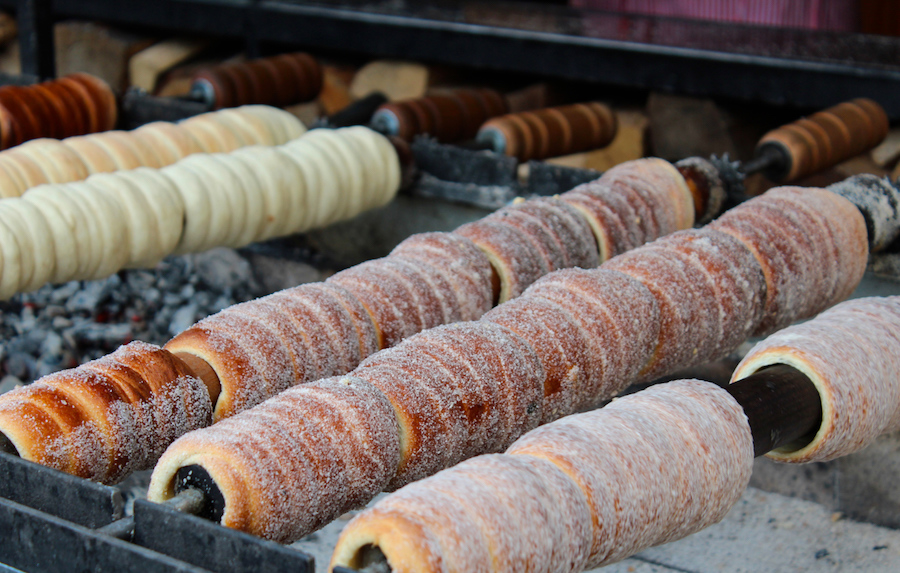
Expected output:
(571, 340)
(68, 106)
(127, 219)
(592, 489)
(109, 417)
(156, 144)
(428, 280)
(582, 492)
(254, 350)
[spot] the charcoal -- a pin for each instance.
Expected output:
(62, 326)
(183, 318)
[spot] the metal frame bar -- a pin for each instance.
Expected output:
(802, 83)
(54, 522)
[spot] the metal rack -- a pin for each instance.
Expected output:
(780, 66)
(51, 521)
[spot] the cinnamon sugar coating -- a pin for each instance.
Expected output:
(490, 513)
(262, 347)
(295, 462)
(582, 492)
(399, 300)
(529, 239)
(450, 405)
(592, 329)
(634, 203)
(460, 262)
(106, 418)
(811, 245)
(851, 353)
(655, 466)
(687, 307)
(725, 271)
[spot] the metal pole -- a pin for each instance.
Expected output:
(35, 22)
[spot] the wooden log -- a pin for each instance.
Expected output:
(146, 66)
(98, 50)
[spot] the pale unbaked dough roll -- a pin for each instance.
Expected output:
(296, 462)
(92, 154)
(246, 132)
(387, 155)
(143, 230)
(153, 145)
(302, 196)
(165, 204)
(208, 215)
(72, 215)
(585, 491)
(251, 201)
(278, 182)
(593, 331)
(451, 407)
(633, 203)
(125, 155)
(321, 172)
(107, 418)
(13, 182)
(811, 244)
(201, 215)
(65, 248)
(68, 164)
(170, 141)
(225, 195)
(106, 215)
(349, 172)
(43, 246)
(29, 169)
(49, 172)
(491, 513)
(852, 354)
(283, 125)
(11, 257)
(24, 244)
(212, 136)
(144, 151)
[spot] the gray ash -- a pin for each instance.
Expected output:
(62, 326)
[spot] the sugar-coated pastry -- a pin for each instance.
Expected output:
(593, 330)
(259, 348)
(811, 244)
(582, 492)
(458, 261)
(529, 239)
(296, 462)
(634, 203)
(851, 353)
(106, 418)
(452, 407)
(490, 513)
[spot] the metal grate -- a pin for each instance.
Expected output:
(49, 522)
